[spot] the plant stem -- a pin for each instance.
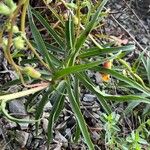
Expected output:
(23, 93)
(23, 16)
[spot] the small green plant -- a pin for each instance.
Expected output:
(110, 126)
(65, 61)
(135, 141)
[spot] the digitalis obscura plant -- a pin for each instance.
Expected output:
(65, 62)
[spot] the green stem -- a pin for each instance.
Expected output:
(133, 74)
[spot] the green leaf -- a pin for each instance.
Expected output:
(5, 112)
(77, 97)
(76, 68)
(57, 100)
(31, 100)
(79, 117)
(60, 107)
(97, 51)
(50, 47)
(82, 67)
(40, 107)
(127, 98)
(48, 28)
(90, 26)
(70, 33)
(88, 84)
(148, 68)
(127, 80)
(38, 39)
(130, 108)
(9, 97)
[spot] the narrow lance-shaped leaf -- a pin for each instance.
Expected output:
(130, 108)
(40, 107)
(79, 117)
(85, 80)
(78, 68)
(90, 26)
(76, 94)
(148, 68)
(70, 33)
(57, 100)
(38, 39)
(49, 28)
(74, 69)
(127, 80)
(97, 51)
(127, 98)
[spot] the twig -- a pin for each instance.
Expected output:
(137, 43)
(136, 16)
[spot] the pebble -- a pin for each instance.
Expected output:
(88, 98)
(1, 131)
(145, 40)
(95, 135)
(98, 78)
(48, 106)
(17, 108)
(24, 125)
(59, 137)
(68, 132)
(22, 137)
(45, 124)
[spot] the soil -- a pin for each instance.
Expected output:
(126, 22)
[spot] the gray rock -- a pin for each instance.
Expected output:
(95, 135)
(43, 147)
(22, 137)
(45, 124)
(11, 125)
(59, 137)
(98, 78)
(24, 126)
(1, 131)
(45, 115)
(48, 106)
(145, 40)
(17, 108)
(29, 141)
(89, 97)
(68, 132)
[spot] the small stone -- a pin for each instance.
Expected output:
(45, 115)
(11, 125)
(68, 132)
(43, 147)
(145, 40)
(1, 131)
(17, 108)
(95, 135)
(45, 124)
(96, 115)
(61, 138)
(98, 78)
(30, 139)
(90, 73)
(47, 107)
(22, 137)
(24, 126)
(89, 98)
